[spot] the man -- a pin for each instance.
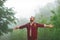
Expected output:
(32, 28)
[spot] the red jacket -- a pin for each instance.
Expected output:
(32, 30)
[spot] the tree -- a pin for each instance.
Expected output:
(6, 17)
(50, 33)
(56, 15)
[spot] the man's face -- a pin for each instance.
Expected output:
(32, 19)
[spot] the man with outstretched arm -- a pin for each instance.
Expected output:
(32, 28)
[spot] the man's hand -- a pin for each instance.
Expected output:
(16, 28)
(48, 26)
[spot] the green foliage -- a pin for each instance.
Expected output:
(56, 17)
(50, 33)
(6, 17)
(20, 34)
(1, 2)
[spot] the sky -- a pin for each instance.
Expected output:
(26, 8)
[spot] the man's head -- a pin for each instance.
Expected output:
(32, 19)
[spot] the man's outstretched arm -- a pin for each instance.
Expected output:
(44, 25)
(20, 27)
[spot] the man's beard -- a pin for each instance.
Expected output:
(31, 20)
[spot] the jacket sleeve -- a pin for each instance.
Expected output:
(40, 25)
(23, 26)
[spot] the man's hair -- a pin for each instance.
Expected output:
(32, 17)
